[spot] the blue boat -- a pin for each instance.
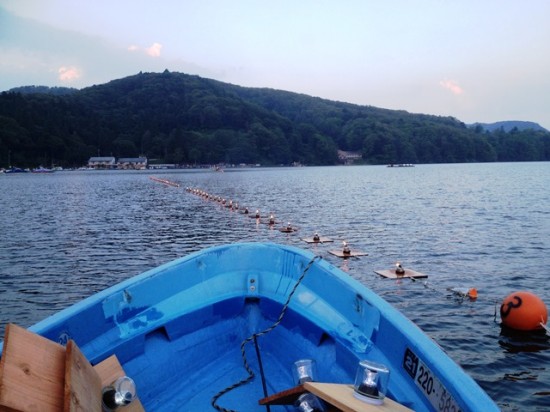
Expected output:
(225, 326)
(15, 170)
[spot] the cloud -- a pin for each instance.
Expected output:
(68, 74)
(154, 50)
(452, 86)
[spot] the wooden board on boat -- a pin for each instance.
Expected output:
(321, 239)
(286, 397)
(109, 371)
(82, 383)
(341, 396)
(352, 253)
(38, 374)
(32, 372)
(390, 274)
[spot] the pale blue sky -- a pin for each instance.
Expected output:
(479, 61)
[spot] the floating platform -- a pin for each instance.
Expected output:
(288, 229)
(266, 220)
(409, 273)
(352, 253)
(321, 239)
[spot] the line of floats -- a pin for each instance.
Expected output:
(234, 206)
(521, 311)
(272, 222)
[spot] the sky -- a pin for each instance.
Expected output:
(478, 61)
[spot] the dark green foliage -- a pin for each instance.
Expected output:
(43, 89)
(508, 125)
(183, 119)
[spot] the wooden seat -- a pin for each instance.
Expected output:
(32, 372)
(82, 383)
(341, 396)
(37, 374)
(110, 370)
(338, 397)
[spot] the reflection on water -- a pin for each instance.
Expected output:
(67, 235)
(532, 341)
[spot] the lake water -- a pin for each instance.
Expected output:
(67, 235)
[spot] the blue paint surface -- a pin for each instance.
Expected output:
(177, 330)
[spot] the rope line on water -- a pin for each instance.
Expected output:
(256, 335)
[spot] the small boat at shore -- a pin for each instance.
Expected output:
(15, 170)
(400, 165)
(42, 170)
(232, 327)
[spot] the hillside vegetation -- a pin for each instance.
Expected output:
(184, 119)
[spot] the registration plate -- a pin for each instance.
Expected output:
(429, 384)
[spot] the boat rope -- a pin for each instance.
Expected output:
(256, 335)
(546, 328)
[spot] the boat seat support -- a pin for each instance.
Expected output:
(39, 374)
(338, 397)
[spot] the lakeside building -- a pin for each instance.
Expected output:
(133, 163)
(102, 162)
(348, 158)
(124, 163)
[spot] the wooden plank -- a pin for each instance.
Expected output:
(109, 371)
(289, 397)
(341, 396)
(82, 383)
(390, 273)
(32, 372)
(286, 397)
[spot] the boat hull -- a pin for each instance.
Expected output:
(177, 331)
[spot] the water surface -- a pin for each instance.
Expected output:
(67, 235)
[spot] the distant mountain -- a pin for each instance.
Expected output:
(183, 119)
(509, 125)
(56, 91)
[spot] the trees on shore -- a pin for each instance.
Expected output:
(178, 118)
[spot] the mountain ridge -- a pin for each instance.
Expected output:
(509, 125)
(506, 125)
(186, 119)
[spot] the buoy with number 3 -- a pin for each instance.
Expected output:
(523, 311)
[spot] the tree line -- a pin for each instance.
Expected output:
(184, 119)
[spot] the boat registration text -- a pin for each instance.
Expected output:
(428, 383)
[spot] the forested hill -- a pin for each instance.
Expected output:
(184, 119)
(509, 125)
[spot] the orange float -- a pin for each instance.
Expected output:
(523, 311)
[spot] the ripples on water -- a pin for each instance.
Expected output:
(68, 235)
